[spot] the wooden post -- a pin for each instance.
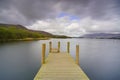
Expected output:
(50, 47)
(77, 54)
(43, 53)
(59, 46)
(68, 47)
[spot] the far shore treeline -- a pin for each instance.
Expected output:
(10, 32)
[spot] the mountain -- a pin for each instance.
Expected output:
(102, 35)
(12, 25)
(24, 28)
(10, 32)
(19, 32)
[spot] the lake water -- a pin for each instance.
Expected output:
(99, 58)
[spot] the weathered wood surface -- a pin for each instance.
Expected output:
(60, 66)
(54, 50)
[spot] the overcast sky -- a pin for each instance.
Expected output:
(64, 17)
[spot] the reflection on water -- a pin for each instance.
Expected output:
(99, 58)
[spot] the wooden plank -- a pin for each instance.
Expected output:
(54, 50)
(60, 66)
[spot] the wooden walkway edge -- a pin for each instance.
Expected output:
(60, 66)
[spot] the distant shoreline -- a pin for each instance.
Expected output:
(97, 38)
(25, 39)
(30, 39)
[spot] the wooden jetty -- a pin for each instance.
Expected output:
(60, 65)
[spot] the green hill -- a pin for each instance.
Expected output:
(10, 32)
(18, 32)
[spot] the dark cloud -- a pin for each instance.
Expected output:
(28, 11)
(97, 9)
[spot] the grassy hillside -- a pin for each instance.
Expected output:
(12, 32)
(18, 32)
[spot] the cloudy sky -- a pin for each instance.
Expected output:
(64, 17)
